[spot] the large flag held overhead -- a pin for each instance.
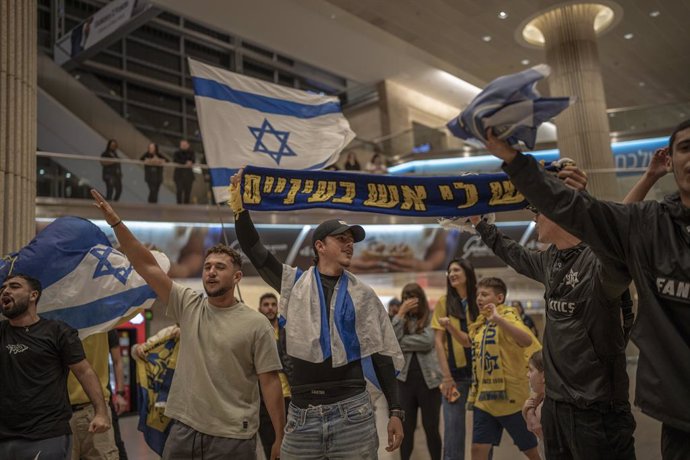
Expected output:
(86, 283)
(512, 106)
(245, 121)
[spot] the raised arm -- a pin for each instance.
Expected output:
(270, 269)
(605, 226)
(524, 261)
(138, 255)
(658, 167)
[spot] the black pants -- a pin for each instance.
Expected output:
(184, 189)
(601, 432)
(113, 184)
(153, 191)
(675, 443)
(116, 431)
(266, 433)
(414, 394)
(57, 448)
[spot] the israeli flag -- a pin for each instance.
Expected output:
(86, 282)
(245, 121)
(512, 106)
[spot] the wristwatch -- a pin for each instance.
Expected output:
(397, 413)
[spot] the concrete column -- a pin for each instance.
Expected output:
(18, 48)
(571, 49)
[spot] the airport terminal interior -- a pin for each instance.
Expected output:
(80, 74)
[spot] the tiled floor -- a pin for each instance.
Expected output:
(646, 439)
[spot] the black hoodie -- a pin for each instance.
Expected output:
(584, 345)
(652, 239)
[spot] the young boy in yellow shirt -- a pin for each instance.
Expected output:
(501, 346)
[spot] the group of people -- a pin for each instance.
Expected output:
(337, 339)
(153, 160)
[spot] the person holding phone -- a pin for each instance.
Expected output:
(420, 378)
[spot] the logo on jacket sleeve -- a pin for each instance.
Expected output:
(571, 278)
(673, 289)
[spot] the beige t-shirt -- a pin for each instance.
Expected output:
(215, 387)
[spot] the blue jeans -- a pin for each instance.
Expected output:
(454, 424)
(342, 430)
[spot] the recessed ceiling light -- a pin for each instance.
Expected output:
(486, 38)
(641, 84)
(628, 36)
(333, 16)
(654, 13)
(502, 15)
(524, 62)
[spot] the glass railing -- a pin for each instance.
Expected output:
(69, 176)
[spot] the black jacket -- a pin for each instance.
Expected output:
(153, 174)
(652, 239)
(584, 346)
(111, 171)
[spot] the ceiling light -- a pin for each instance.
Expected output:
(628, 36)
(524, 62)
(502, 15)
(486, 38)
(641, 84)
(654, 13)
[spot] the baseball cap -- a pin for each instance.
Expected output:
(336, 227)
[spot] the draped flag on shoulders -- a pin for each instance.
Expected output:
(154, 377)
(512, 106)
(266, 189)
(86, 283)
(248, 121)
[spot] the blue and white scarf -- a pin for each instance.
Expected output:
(357, 327)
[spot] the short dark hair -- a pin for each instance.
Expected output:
(34, 284)
(268, 295)
(228, 251)
(497, 284)
(682, 126)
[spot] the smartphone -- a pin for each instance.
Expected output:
(455, 394)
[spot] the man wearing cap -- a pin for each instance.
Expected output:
(337, 331)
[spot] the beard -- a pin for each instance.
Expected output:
(17, 310)
(221, 291)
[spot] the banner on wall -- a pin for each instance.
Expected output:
(113, 21)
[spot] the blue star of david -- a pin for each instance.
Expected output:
(105, 268)
(282, 136)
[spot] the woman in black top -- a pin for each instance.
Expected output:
(112, 172)
(153, 171)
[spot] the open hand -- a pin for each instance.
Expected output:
(659, 164)
(109, 213)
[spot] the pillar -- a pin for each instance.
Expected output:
(570, 43)
(18, 48)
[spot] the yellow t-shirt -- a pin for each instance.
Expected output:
(440, 311)
(513, 359)
(96, 349)
(283, 378)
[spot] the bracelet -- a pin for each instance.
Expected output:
(116, 223)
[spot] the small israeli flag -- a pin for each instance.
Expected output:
(86, 282)
(512, 106)
(245, 121)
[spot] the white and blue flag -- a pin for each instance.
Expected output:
(86, 282)
(245, 121)
(512, 106)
